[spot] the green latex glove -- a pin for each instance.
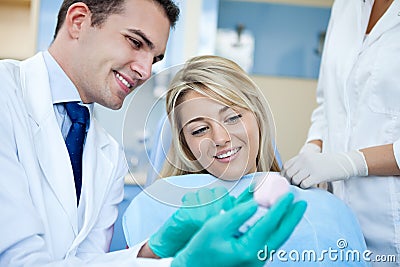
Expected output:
(196, 209)
(246, 195)
(217, 243)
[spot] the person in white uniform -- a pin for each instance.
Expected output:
(354, 139)
(102, 50)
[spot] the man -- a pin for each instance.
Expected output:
(62, 174)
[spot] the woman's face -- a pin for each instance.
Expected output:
(224, 139)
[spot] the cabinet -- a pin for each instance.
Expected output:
(18, 28)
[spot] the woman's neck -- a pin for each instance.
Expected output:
(378, 9)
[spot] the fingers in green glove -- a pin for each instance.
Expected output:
(224, 248)
(206, 196)
(277, 224)
(238, 215)
(198, 207)
(275, 214)
(264, 228)
(190, 199)
(246, 195)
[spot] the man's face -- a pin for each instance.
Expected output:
(117, 56)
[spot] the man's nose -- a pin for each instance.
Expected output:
(143, 65)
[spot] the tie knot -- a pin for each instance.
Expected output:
(77, 113)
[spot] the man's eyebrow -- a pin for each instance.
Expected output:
(143, 36)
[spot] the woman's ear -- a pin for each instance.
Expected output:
(78, 15)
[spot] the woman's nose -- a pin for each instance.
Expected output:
(221, 135)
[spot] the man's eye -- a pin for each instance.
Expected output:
(234, 119)
(158, 58)
(135, 43)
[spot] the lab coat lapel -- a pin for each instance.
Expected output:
(347, 47)
(97, 168)
(49, 144)
(388, 21)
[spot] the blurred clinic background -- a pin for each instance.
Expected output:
(279, 42)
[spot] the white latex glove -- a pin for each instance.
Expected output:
(311, 167)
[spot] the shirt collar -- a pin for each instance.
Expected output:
(61, 86)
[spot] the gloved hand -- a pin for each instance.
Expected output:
(246, 195)
(196, 209)
(311, 167)
(217, 242)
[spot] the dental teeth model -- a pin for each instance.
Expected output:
(270, 189)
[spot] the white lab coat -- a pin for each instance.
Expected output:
(40, 223)
(359, 106)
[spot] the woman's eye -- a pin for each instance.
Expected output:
(134, 42)
(234, 119)
(200, 131)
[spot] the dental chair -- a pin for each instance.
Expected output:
(158, 154)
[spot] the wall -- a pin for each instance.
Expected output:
(292, 101)
(18, 28)
(47, 22)
(286, 37)
(286, 62)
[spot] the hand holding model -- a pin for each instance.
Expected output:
(196, 209)
(227, 248)
(268, 190)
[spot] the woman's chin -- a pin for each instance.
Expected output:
(230, 176)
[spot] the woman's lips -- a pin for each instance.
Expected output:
(227, 155)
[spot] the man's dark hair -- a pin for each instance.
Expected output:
(101, 9)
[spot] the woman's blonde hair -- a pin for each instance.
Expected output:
(224, 81)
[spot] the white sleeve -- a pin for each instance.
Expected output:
(318, 122)
(125, 258)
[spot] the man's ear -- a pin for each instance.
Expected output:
(77, 16)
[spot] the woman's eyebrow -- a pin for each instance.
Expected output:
(222, 110)
(194, 120)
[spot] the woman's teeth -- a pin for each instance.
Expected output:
(228, 154)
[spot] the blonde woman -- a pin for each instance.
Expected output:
(223, 134)
(224, 82)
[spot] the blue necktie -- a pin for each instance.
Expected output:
(79, 116)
